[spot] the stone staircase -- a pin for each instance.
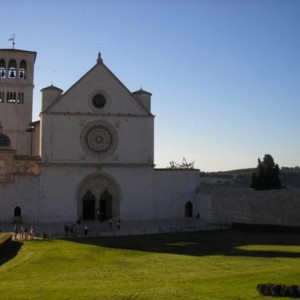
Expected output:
(102, 229)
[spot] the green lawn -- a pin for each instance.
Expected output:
(202, 265)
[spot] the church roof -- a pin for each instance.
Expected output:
(51, 88)
(99, 63)
(141, 91)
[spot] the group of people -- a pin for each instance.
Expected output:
(72, 229)
(77, 229)
(118, 224)
(22, 232)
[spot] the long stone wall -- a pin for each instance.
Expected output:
(173, 188)
(24, 193)
(245, 205)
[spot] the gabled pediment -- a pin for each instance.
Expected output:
(99, 85)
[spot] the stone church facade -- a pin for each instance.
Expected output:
(89, 157)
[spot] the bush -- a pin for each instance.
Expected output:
(279, 290)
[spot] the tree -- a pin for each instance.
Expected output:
(267, 174)
(183, 165)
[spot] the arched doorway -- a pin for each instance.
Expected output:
(88, 206)
(98, 198)
(17, 212)
(189, 209)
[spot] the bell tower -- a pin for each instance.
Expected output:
(16, 95)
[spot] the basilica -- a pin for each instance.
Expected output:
(89, 156)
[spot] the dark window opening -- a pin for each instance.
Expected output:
(21, 98)
(99, 101)
(17, 211)
(189, 209)
(11, 97)
(1, 97)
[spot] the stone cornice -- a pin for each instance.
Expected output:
(12, 50)
(97, 165)
(176, 170)
(28, 157)
(96, 114)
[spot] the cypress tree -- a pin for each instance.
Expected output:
(267, 174)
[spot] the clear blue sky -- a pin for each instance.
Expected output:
(224, 74)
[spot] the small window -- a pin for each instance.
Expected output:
(17, 211)
(1, 97)
(11, 97)
(189, 209)
(99, 101)
(20, 99)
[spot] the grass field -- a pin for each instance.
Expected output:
(202, 265)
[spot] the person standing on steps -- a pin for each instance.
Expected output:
(118, 223)
(86, 229)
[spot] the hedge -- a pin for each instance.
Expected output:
(279, 290)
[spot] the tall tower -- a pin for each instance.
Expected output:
(16, 94)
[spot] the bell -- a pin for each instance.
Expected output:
(2, 74)
(22, 74)
(11, 74)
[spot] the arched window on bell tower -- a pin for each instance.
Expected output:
(22, 69)
(12, 69)
(2, 69)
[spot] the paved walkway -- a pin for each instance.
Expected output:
(97, 229)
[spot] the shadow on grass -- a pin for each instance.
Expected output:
(9, 250)
(225, 242)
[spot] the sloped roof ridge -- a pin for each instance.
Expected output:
(89, 71)
(51, 87)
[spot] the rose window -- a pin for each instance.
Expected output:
(98, 139)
